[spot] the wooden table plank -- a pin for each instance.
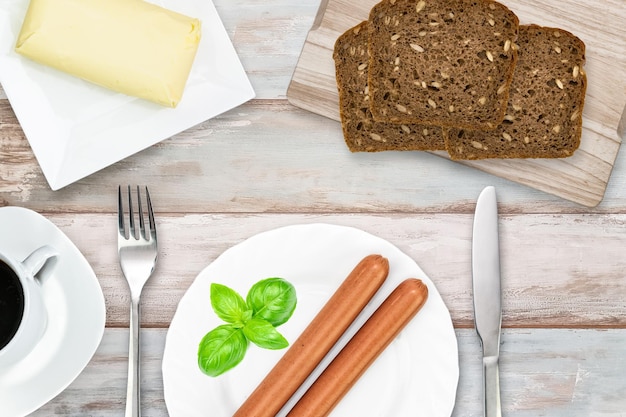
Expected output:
(556, 373)
(254, 159)
(268, 37)
(268, 164)
(558, 270)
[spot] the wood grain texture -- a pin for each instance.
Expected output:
(558, 270)
(552, 373)
(268, 164)
(269, 156)
(581, 178)
(268, 37)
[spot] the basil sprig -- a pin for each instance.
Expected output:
(269, 303)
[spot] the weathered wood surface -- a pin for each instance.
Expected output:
(268, 164)
(551, 373)
(267, 155)
(557, 270)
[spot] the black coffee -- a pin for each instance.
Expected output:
(11, 304)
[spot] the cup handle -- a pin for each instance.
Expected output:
(40, 263)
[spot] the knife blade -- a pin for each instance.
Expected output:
(486, 292)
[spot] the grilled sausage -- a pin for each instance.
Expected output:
(317, 339)
(354, 359)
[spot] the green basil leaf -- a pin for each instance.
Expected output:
(263, 334)
(272, 299)
(221, 349)
(228, 304)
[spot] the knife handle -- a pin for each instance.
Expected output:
(491, 378)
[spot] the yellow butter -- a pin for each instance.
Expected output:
(129, 46)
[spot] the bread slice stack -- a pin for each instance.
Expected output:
(361, 131)
(464, 70)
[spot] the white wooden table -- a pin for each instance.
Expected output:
(267, 164)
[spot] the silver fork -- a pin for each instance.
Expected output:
(137, 250)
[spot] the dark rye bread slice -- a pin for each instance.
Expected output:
(361, 132)
(544, 114)
(441, 62)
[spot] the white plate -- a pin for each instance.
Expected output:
(76, 128)
(76, 315)
(416, 375)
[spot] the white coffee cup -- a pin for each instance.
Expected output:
(25, 322)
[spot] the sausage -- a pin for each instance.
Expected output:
(317, 339)
(361, 351)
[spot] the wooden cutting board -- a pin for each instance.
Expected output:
(601, 24)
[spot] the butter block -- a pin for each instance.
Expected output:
(129, 46)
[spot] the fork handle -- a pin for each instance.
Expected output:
(133, 408)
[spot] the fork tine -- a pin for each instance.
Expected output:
(120, 213)
(151, 216)
(142, 227)
(131, 216)
(136, 226)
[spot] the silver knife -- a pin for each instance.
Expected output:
(487, 300)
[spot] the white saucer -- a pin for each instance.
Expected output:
(76, 315)
(416, 375)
